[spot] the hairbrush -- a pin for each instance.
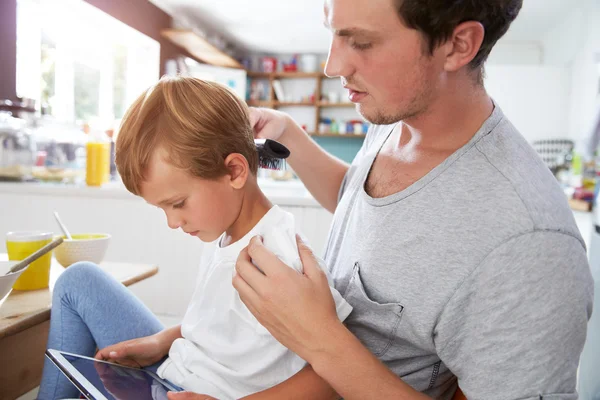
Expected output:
(271, 154)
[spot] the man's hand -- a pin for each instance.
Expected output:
(269, 124)
(298, 309)
(188, 396)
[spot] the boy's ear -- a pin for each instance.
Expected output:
(238, 168)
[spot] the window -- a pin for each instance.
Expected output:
(80, 64)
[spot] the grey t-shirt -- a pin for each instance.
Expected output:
(475, 271)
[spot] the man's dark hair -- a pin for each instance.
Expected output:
(437, 19)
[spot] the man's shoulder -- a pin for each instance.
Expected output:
(513, 170)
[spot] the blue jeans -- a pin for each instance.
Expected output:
(91, 310)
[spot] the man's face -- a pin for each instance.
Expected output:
(384, 64)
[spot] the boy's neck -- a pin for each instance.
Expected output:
(254, 206)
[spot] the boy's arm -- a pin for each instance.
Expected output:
(306, 384)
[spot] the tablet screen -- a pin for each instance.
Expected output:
(117, 382)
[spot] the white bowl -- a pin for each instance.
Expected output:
(83, 247)
(7, 281)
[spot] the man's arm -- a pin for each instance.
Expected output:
(355, 372)
(306, 384)
(321, 173)
(300, 313)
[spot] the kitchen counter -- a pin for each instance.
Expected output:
(285, 193)
(139, 232)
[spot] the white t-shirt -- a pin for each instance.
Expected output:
(225, 352)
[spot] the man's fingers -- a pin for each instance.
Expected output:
(268, 262)
(248, 271)
(256, 120)
(310, 263)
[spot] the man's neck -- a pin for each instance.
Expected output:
(449, 122)
(254, 206)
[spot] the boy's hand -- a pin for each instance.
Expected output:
(269, 124)
(136, 353)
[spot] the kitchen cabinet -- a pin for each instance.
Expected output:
(139, 231)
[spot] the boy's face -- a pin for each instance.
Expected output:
(200, 207)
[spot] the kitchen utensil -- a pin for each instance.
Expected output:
(62, 226)
(31, 258)
(7, 281)
(83, 247)
(17, 148)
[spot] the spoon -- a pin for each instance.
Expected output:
(62, 226)
(34, 256)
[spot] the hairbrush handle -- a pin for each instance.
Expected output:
(271, 148)
(34, 256)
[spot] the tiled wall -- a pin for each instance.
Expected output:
(342, 147)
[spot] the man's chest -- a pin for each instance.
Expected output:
(390, 174)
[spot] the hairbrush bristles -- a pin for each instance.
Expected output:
(271, 163)
(271, 154)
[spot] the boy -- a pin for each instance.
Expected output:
(187, 147)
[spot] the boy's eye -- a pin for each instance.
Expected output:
(179, 205)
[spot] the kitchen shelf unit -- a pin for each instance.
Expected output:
(317, 105)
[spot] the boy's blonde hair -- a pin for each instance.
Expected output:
(198, 123)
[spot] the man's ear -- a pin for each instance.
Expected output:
(238, 168)
(463, 45)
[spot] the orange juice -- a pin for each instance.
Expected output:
(97, 163)
(21, 244)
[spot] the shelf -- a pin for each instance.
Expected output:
(200, 48)
(260, 103)
(274, 75)
(337, 135)
(334, 105)
(294, 104)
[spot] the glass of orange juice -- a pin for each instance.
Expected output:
(21, 244)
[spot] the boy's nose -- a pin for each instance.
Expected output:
(174, 222)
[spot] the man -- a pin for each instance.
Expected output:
(451, 239)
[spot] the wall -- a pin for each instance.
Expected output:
(516, 53)
(564, 41)
(575, 43)
(534, 97)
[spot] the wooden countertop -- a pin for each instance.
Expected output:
(25, 309)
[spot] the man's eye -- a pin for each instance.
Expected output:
(179, 205)
(360, 46)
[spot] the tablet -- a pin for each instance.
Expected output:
(101, 380)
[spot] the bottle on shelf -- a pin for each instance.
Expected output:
(97, 170)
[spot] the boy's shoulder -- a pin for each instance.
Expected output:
(279, 236)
